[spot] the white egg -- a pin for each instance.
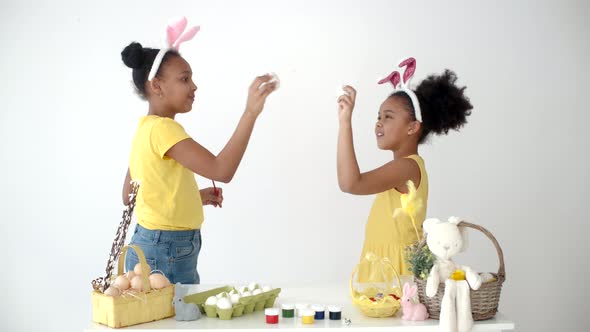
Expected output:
(246, 293)
(224, 303)
(232, 292)
(243, 289)
(257, 291)
(252, 286)
(235, 298)
(266, 289)
(222, 295)
(212, 300)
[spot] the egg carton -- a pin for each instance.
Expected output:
(246, 305)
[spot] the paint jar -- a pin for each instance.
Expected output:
(300, 307)
(320, 311)
(272, 315)
(288, 310)
(335, 312)
(307, 316)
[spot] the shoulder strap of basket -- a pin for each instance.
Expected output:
(102, 283)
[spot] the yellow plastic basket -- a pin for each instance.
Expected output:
(377, 302)
(133, 307)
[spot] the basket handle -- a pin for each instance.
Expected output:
(502, 268)
(145, 268)
(388, 263)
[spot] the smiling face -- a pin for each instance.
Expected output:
(394, 124)
(175, 86)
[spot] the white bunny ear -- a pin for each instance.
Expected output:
(455, 220)
(428, 223)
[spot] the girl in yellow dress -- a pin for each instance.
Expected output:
(405, 119)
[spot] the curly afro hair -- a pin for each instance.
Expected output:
(443, 104)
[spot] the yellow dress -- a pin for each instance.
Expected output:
(388, 238)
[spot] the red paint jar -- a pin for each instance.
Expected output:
(272, 315)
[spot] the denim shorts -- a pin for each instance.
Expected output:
(175, 253)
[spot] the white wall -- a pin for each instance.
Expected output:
(519, 167)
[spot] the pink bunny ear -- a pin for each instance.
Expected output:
(394, 78)
(406, 289)
(187, 35)
(410, 64)
(413, 290)
(174, 30)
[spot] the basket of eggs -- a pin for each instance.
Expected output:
(134, 297)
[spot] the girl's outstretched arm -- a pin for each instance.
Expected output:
(223, 167)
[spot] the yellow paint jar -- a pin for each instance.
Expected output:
(307, 316)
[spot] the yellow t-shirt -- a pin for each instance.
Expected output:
(168, 197)
(387, 237)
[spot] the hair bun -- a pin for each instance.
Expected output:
(133, 55)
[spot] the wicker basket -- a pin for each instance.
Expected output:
(130, 309)
(484, 301)
(386, 306)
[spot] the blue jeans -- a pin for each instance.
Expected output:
(175, 253)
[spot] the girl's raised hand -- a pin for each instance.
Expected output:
(257, 93)
(346, 104)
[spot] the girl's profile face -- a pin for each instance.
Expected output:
(176, 82)
(393, 123)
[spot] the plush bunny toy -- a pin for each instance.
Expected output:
(445, 240)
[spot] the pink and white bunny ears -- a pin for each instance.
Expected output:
(404, 83)
(175, 35)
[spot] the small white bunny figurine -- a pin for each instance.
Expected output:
(184, 311)
(412, 311)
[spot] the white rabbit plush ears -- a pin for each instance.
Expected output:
(445, 239)
(175, 35)
(404, 83)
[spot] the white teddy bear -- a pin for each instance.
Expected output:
(446, 239)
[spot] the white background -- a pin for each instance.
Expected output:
(518, 168)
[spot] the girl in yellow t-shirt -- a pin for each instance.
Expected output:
(164, 158)
(404, 120)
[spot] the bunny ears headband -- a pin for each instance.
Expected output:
(404, 83)
(175, 35)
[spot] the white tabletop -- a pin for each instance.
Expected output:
(327, 295)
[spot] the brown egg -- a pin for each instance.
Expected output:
(130, 275)
(112, 291)
(137, 269)
(122, 283)
(137, 283)
(158, 281)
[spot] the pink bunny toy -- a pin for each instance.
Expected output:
(412, 311)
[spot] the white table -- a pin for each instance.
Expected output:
(332, 294)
